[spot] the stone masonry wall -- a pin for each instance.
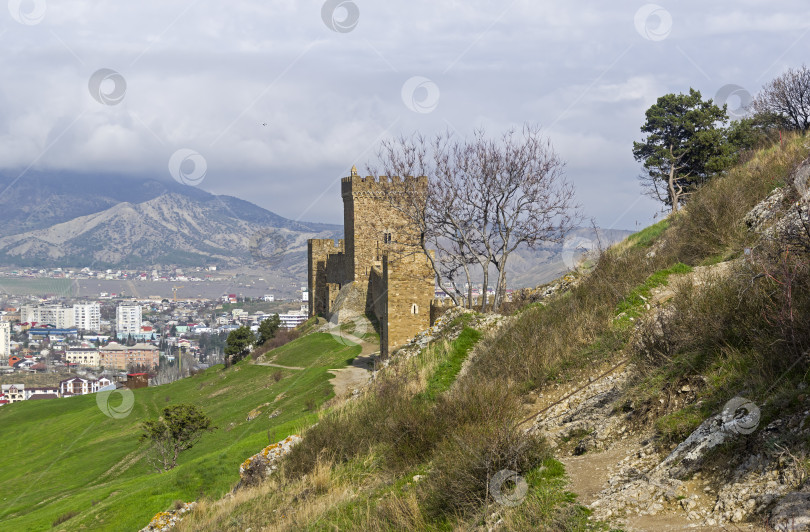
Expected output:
(410, 287)
(323, 257)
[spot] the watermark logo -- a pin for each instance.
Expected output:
(508, 488)
(420, 95)
(741, 416)
(347, 324)
(340, 16)
(27, 12)
(115, 411)
(574, 248)
(107, 86)
(728, 93)
(268, 247)
(653, 22)
(188, 167)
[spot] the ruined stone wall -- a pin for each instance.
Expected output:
(439, 307)
(326, 262)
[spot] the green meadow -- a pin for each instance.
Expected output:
(65, 460)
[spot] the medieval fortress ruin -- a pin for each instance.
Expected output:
(378, 269)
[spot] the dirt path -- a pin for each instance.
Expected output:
(270, 364)
(355, 376)
(589, 473)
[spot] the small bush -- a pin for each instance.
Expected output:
(466, 461)
(278, 375)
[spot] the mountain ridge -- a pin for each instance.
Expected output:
(154, 223)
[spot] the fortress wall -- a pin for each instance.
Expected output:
(410, 287)
(319, 252)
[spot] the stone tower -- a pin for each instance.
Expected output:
(379, 257)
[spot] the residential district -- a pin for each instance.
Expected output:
(80, 347)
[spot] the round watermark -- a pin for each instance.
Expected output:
(653, 22)
(268, 247)
(107, 86)
(741, 416)
(188, 167)
(737, 98)
(420, 95)
(347, 324)
(574, 248)
(508, 488)
(340, 16)
(116, 411)
(27, 12)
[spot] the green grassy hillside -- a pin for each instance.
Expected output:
(65, 456)
(421, 446)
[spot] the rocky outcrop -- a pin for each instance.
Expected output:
(258, 467)
(778, 215)
(792, 512)
(165, 521)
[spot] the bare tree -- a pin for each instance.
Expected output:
(417, 204)
(484, 198)
(788, 98)
(533, 201)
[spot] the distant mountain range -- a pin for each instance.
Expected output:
(76, 220)
(106, 222)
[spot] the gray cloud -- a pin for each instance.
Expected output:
(281, 106)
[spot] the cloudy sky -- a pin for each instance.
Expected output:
(275, 100)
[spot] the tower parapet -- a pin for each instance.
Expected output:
(354, 185)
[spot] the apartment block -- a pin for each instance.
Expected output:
(128, 319)
(87, 316)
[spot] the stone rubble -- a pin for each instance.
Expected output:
(258, 467)
(165, 521)
(646, 482)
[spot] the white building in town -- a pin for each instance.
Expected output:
(128, 319)
(56, 315)
(87, 316)
(293, 319)
(85, 357)
(13, 392)
(5, 339)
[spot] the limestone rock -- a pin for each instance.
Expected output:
(259, 466)
(791, 513)
(165, 521)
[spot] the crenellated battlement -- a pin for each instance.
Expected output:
(355, 185)
(326, 245)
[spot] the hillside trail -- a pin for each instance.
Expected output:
(272, 365)
(349, 378)
(358, 373)
(564, 411)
